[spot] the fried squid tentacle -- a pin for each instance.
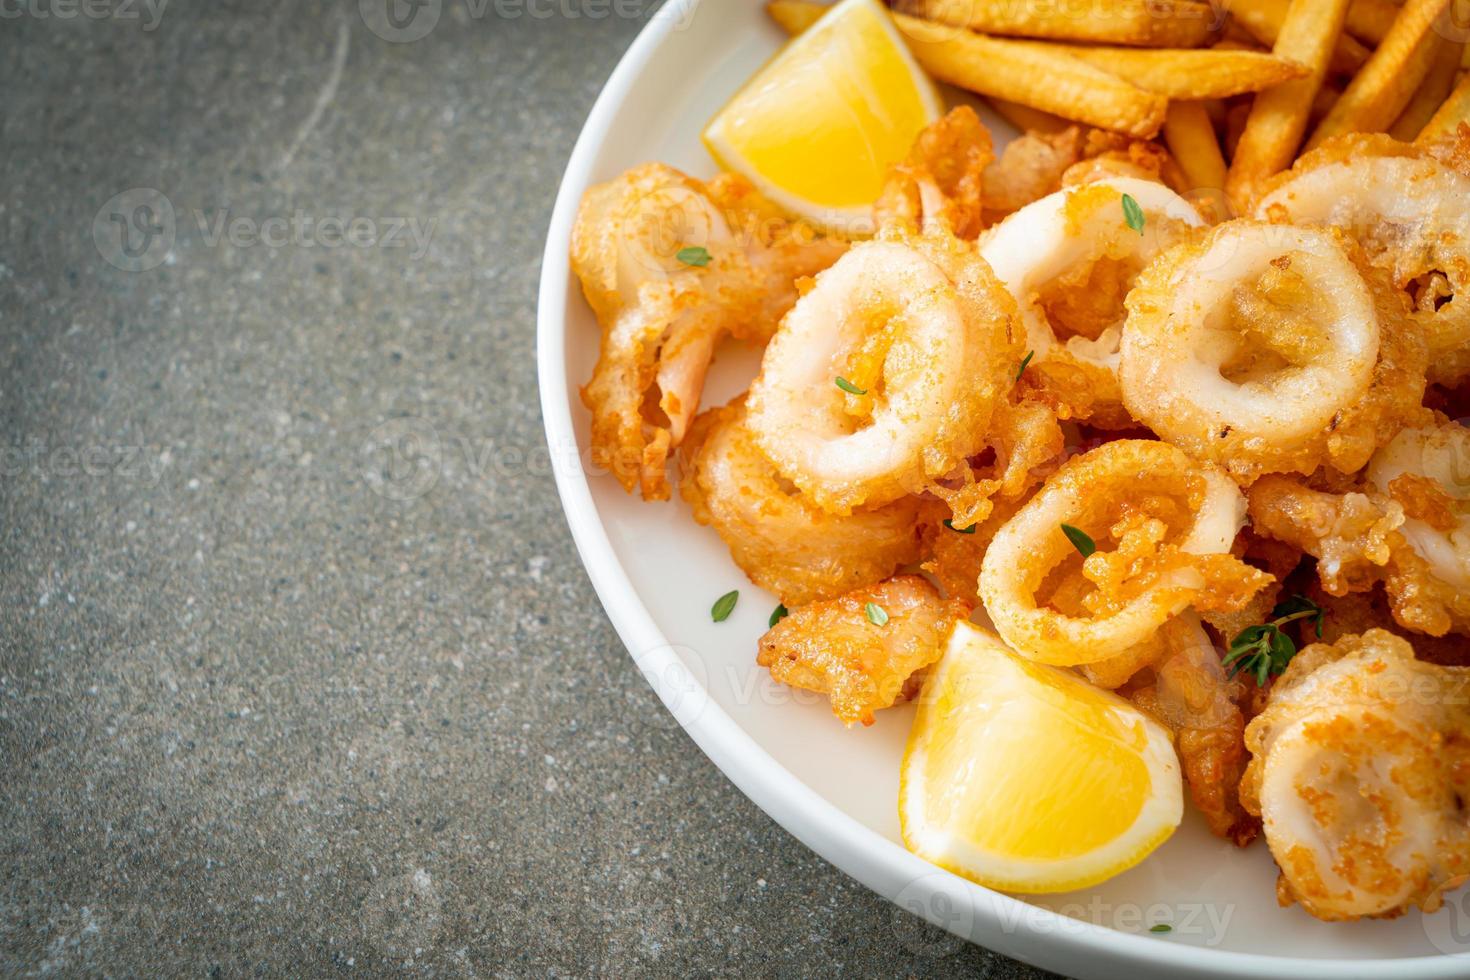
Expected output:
(863, 649)
(1193, 697)
(670, 266)
(1407, 526)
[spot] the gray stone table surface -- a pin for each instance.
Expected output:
(258, 715)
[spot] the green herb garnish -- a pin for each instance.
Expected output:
(850, 388)
(1264, 651)
(1132, 213)
(1161, 927)
(1085, 545)
(724, 605)
(696, 255)
(958, 530)
(1024, 361)
(778, 614)
(877, 615)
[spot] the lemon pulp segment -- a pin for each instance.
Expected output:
(819, 126)
(1025, 777)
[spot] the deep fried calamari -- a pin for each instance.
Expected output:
(662, 316)
(835, 648)
(781, 540)
(1162, 526)
(1271, 349)
(1360, 771)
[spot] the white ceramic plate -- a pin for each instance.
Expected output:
(658, 573)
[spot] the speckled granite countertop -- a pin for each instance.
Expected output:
(259, 713)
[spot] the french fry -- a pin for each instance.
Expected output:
(1431, 93)
(1327, 97)
(1236, 116)
(1032, 73)
(1451, 115)
(1237, 38)
(1378, 94)
(1151, 23)
(1027, 119)
(1209, 73)
(1039, 75)
(1367, 20)
(1263, 19)
(1279, 115)
(1191, 138)
(1216, 109)
(1370, 20)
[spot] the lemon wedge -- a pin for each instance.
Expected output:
(818, 127)
(1026, 778)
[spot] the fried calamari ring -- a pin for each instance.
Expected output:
(1408, 211)
(661, 317)
(1360, 768)
(1267, 348)
(924, 342)
(1069, 260)
(1427, 472)
(836, 649)
(1163, 526)
(782, 541)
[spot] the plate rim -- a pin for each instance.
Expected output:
(856, 850)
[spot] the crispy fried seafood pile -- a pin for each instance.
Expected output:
(1208, 464)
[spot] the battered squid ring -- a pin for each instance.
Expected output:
(1408, 211)
(1163, 526)
(922, 328)
(1269, 349)
(1069, 260)
(782, 541)
(1360, 766)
